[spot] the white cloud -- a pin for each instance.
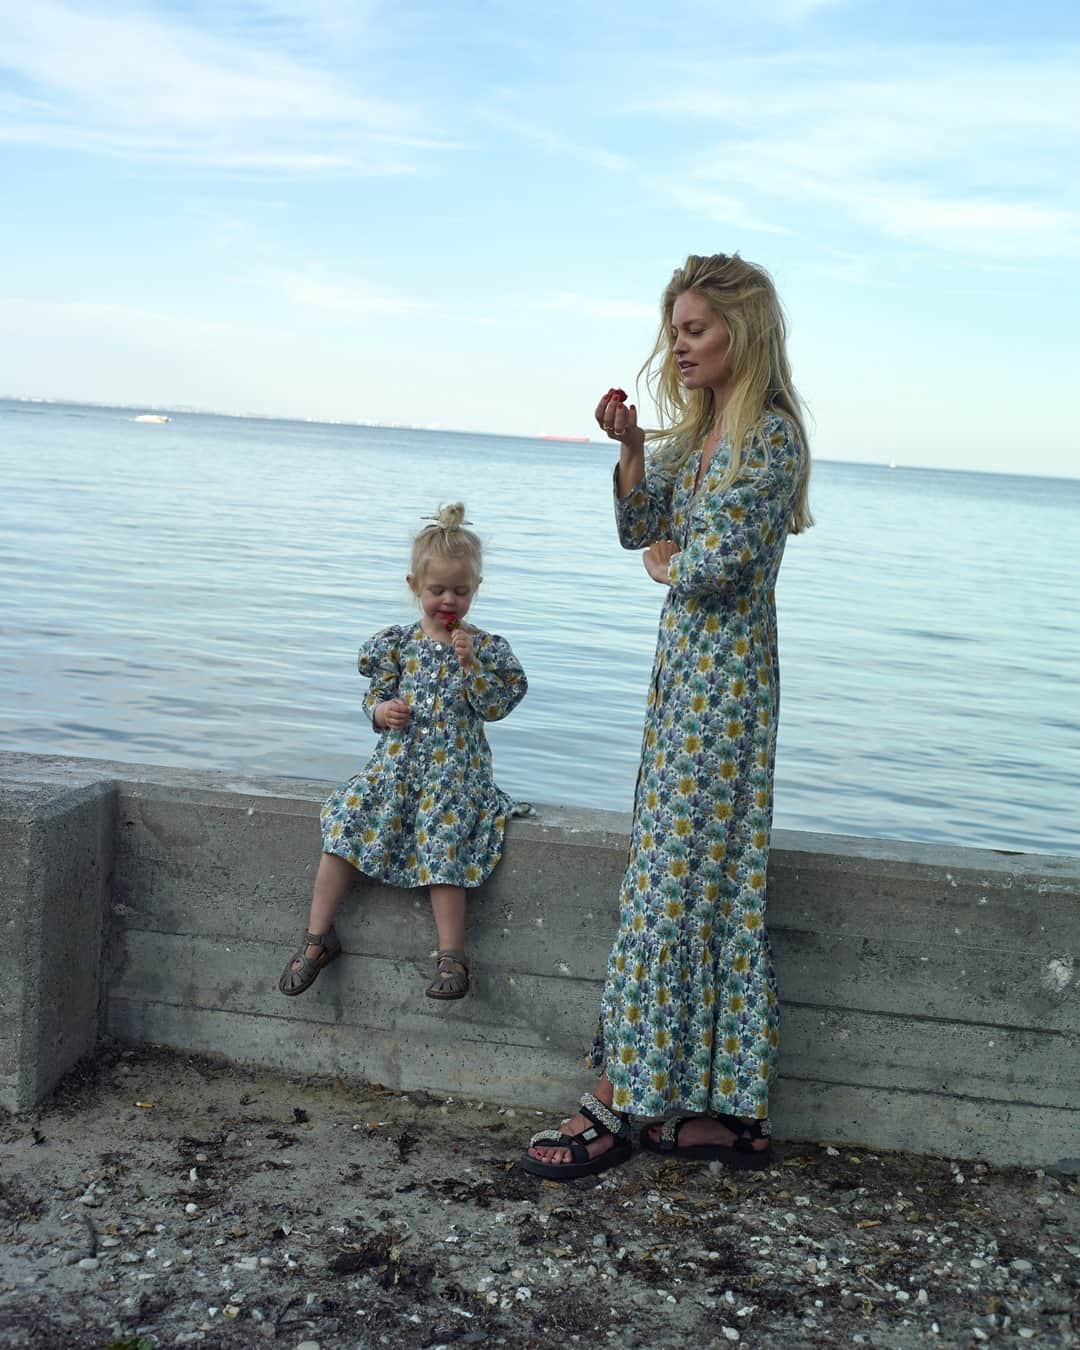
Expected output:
(947, 149)
(548, 140)
(128, 83)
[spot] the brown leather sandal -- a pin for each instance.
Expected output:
(303, 970)
(448, 982)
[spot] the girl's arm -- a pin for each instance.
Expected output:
(494, 682)
(644, 514)
(380, 661)
(732, 530)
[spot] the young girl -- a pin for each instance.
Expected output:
(425, 810)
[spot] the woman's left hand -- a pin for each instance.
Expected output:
(656, 558)
(462, 643)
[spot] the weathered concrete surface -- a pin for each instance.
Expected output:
(55, 858)
(930, 996)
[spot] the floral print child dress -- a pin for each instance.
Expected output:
(425, 809)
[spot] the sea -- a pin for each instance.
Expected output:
(193, 592)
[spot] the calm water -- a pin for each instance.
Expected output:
(194, 594)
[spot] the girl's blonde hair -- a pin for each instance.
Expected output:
(743, 295)
(447, 537)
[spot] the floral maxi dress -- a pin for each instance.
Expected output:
(689, 1017)
(425, 808)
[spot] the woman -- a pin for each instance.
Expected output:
(689, 1026)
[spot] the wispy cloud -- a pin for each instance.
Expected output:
(129, 83)
(957, 149)
(553, 143)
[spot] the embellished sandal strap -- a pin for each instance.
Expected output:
(746, 1131)
(607, 1120)
(669, 1132)
(578, 1151)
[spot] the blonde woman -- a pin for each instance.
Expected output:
(689, 1030)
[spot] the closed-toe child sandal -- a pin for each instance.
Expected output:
(302, 970)
(451, 976)
(603, 1121)
(741, 1155)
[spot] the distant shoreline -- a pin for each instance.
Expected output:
(174, 411)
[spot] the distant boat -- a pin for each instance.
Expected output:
(151, 417)
(571, 440)
(892, 463)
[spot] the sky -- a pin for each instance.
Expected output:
(462, 213)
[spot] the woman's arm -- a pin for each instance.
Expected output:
(644, 514)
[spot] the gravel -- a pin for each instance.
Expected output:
(160, 1199)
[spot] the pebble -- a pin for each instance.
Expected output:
(191, 1208)
(730, 1333)
(90, 1200)
(1022, 1265)
(89, 1263)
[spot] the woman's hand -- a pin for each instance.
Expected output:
(463, 647)
(394, 714)
(618, 420)
(656, 558)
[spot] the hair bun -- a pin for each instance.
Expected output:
(451, 517)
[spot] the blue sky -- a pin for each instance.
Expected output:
(462, 214)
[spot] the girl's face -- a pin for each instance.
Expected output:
(445, 591)
(700, 343)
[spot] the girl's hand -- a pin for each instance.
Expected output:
(394, 714)
(463, 647)
(618, 420)
(656, 558)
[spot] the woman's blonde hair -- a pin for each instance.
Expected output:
(743, 295)
(447, 537)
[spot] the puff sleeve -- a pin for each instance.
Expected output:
(380, 661)
(496, 684)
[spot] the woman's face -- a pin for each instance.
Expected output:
(700, 342)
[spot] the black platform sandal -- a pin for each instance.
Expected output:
(741, 1155)
(604, 1121)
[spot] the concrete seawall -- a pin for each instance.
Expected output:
(931, 997)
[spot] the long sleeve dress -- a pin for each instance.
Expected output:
(425, 809)
(689, 1017)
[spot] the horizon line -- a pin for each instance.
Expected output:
(548, 437)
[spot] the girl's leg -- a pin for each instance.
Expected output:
(331, 882)
(448, 909)
(452, 976)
